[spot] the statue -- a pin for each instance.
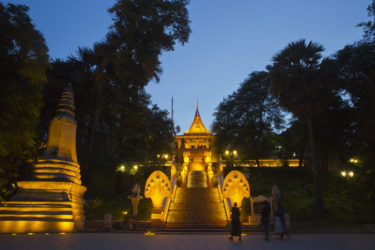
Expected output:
(135, 198)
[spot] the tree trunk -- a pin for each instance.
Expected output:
(89, 148)
(301, 156)
(319, 202)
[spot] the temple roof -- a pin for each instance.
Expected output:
(197, 127)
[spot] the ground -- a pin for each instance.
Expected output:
(139, 241)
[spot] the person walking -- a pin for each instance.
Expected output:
(280, 221)
(236, 223)
(265, 220)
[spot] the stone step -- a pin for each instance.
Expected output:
(34, 215)
(196, 206)
(197, 179)
(51, 204)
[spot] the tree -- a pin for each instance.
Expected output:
(23, 62)
(247, 118)
(114, 113)
(301, 82)
(369, 26)
(356, 65)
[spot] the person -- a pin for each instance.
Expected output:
(236, 223)
(265, 213)
(108, 222)
(288, 229)
(280, 221)
(128, 224)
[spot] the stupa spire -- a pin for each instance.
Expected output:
(61, 144)
(197, 127)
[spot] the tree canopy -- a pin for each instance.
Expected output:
(247, 118)
(23, 63)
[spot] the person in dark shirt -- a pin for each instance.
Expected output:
(236, 223)
(266, 211)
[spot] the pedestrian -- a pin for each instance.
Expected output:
(266, 211)
(236, 223)
(280, 221)
(288, 229)
(107, 222)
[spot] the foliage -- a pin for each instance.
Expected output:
(115, 117)
(108, 191)
(302, 83)
(297, 192)
(23, 61)
(369, 26)
(246, 119)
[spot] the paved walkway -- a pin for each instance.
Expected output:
(109, 241)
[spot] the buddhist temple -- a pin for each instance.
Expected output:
(195, 144)
(52, 199)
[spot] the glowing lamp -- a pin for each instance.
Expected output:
(122, 168)
(343, 173)
(351, 174)
(227, 152)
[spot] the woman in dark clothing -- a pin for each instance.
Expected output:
(236, 223)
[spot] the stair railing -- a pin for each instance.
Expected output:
(225, 201)
(171, 198)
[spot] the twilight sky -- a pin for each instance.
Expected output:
(229, 40)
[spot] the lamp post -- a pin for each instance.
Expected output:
(349, 174)
(231, 156)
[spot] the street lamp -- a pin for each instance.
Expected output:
(347, 174)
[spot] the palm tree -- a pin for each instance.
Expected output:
(297, 83)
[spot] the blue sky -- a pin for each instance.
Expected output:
(229, 40)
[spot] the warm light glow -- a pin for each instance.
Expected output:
(61, 233)
(135, 167)
(121, 169)
(124, 212)
(236, 187)
(227, 152)
(14, 234)
(166, 156)
(158, 156)
(157, 188)
(30, 233)
(351, 174)
(234, 152)
(149, 233)
(343, 173)
(353, 160)
(46, 234)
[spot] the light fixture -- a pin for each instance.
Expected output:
(351, 174)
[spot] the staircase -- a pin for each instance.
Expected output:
(51, 216)
(197, 179)
(196, 209)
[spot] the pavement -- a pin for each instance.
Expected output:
(141, 241)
